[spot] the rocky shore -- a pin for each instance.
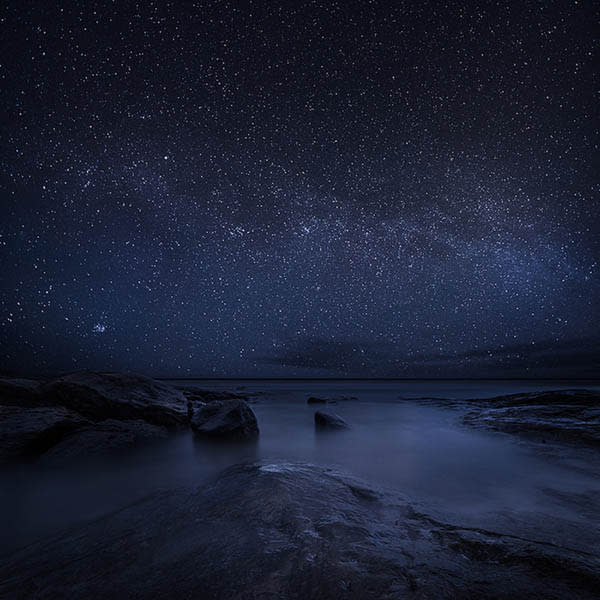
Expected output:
(560, 416)
(89, 413)
(291, 531)
(277, 529)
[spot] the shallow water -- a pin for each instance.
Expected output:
(420, 450)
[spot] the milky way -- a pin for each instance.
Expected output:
(299, 188)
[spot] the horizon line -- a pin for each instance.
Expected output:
(378, 378)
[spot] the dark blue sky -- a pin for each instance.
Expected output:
(299, 188)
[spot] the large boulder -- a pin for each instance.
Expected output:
(228, 419)
(329, 421)
(28, 432)
(100, 396)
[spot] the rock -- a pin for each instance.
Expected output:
(561, 416)
(100, 396)
(197, 395)
(105, 437)
(229, 419)
(334, 400)
(290, 531)
(315, 400)
(19, 392)
(329, 421)
(31, 431)
(85, 414)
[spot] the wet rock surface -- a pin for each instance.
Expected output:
(225, 419)
(85, 413)
(329, 421)
(562, 416)
(286, 530)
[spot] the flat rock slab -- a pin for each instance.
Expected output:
(225, 419)
(290, 531)
(563, 416)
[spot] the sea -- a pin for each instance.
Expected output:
(395, 441)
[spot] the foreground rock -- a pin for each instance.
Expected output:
(225, 419)
(85, 413)
(561, 416)
(291, 531)
(329, 421)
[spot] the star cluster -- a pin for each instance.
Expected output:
(299, 188)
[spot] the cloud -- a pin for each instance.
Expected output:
(544, 358)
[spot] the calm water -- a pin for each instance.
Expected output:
(421, 450)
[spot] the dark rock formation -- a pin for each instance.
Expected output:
(19, 392)
(30, 431)
(205, 396)
(333, 400)
(105, 437)
(315, 400)
(85, 413)
(228, 419)
(291, 531)
(100, 396)
(329, 421)
(563, 416)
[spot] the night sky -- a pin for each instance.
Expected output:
(380, 189)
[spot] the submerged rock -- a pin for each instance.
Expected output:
(333, 400)
(290, 531)
(315, 400)
(228, 419)
(329, 421)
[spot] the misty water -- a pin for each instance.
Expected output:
(421, 450)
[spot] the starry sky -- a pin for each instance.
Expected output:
(302, 189)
